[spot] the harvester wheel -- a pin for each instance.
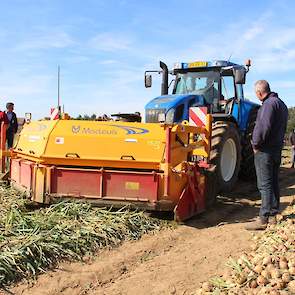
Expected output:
(247, 171)
(225, 154)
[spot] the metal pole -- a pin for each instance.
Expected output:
(58, 91)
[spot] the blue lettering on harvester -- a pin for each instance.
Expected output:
(132, 130)
(128, 129)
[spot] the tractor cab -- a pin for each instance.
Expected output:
(217, 85)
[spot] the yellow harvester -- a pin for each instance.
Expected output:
(151, 166)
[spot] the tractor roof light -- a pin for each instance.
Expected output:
(248, 64)
(205, 64)
(187, 65)
(177, 66)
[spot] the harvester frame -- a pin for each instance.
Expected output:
(164, 168)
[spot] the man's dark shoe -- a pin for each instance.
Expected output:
(257, 224)
(272, 219)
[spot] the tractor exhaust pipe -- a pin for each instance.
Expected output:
(164, 86)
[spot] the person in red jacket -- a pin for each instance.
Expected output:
(3, 118)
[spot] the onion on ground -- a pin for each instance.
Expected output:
(268, 268)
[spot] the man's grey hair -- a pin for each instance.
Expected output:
(262, 86)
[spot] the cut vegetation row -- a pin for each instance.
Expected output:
(32, 241)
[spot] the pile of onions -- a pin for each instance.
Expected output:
(268, 267)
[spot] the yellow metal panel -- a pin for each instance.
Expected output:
(110, 144)
(33, 138)
(39, 184)
(200, 152)
(106, 142)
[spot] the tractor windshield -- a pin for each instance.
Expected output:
(202, 83)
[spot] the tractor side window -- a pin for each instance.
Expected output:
(179, 113)
(227, 87)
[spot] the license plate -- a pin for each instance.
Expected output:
(197, 64)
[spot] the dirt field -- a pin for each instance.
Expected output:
(173, 261)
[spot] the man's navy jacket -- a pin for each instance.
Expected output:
(271, 124)
(12, 125)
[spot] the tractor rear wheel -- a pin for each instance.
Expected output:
(225, 154)
(247, 171)
(211, 189)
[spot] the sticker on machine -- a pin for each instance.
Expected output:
(33, 138)
(59, 140)
(131, 140)
(134, 186)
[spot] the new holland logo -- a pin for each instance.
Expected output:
(75, 129)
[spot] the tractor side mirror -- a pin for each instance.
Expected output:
(240, 75)
(148, 81)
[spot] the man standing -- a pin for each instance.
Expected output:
(292, 142)
(12, 125)
(267, 142)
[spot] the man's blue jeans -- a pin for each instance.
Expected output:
(293, 156)
(267, 167)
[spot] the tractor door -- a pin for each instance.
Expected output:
(228, 94)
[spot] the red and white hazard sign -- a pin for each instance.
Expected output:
(54, 114)
(197, 116)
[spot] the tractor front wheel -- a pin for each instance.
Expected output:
(225, 154)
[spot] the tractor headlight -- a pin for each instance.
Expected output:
(170, 116)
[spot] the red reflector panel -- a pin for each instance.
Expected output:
(15, 170)
(26, 173)
(76, 182)
(22, 172)
(131, 186)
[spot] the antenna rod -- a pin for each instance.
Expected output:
(230, 57)
(58, 90)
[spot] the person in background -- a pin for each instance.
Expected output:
(3, 118)
(292, 142)
(267, 142)
(12, 124)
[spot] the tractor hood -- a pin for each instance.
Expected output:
(169, 101)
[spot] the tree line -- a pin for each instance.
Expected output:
(92, 117)
(290, 127)
(291, 121)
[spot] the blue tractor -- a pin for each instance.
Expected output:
(218, 85)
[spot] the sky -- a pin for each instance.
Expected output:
(104, 46)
